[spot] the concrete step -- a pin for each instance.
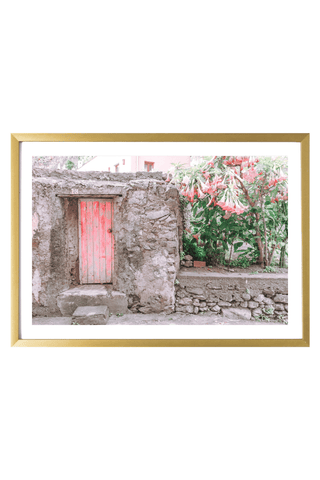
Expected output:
(91, 315)
(91, 296)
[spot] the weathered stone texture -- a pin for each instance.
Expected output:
(237, 296)
(91, 315)
(281, 299)
(147, 236)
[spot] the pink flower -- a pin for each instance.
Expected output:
(200, 193)
(185, 180)
(250, 175)
(191, 194)
(239, 208)
(205, 186)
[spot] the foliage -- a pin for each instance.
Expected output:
(69, 165)
(236, 201)
(190, 247)
(268, 310)
(269, 269)
(260, 317)
(240, 262)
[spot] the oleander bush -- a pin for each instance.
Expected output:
(235, 201)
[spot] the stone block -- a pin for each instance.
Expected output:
(253, 304)
(244, 304)
(97, 315)
(87, 295)
(189, 309)
(281, 298)
(256, 311)
(268, 301)
(196, 310)
(237, 297)
(188, 258)
(269, 291)
(213, 286)
(181, 293)
(236, 313)
(216, 309)
(195, 290)
(213, 299)
(90, 296)
(224, 304)
(199, 297)
(226, 296)
(259, 298)
(179, 309)
(279, 306)
(185, 301)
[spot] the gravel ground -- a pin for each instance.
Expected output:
(156, 319)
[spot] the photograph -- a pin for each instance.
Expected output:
(159, 314)
(160, 240)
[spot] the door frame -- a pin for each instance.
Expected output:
(96, 198)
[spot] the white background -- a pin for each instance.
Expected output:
(169, 66)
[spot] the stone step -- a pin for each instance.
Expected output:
(91, 296)
(91, 315)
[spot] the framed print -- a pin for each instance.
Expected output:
(160, 240)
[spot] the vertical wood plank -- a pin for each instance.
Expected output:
(112, 244)
(102, 252)
(84, 253)
(108, 242)
(90, 241)
(96, 240)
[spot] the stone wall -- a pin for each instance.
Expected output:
(147, 235)
(233, 295)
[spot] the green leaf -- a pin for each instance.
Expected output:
(237, 245)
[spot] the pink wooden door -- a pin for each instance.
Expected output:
(96, 240)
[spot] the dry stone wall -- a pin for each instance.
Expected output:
(235, 296)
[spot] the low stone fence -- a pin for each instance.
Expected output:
(238, 296)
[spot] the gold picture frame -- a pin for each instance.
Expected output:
(16, 139)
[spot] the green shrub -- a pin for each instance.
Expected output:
(190, 247)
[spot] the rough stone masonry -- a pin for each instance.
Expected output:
(147, 233)
(236, 296)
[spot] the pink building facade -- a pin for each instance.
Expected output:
(122, 164)
(157, 163)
